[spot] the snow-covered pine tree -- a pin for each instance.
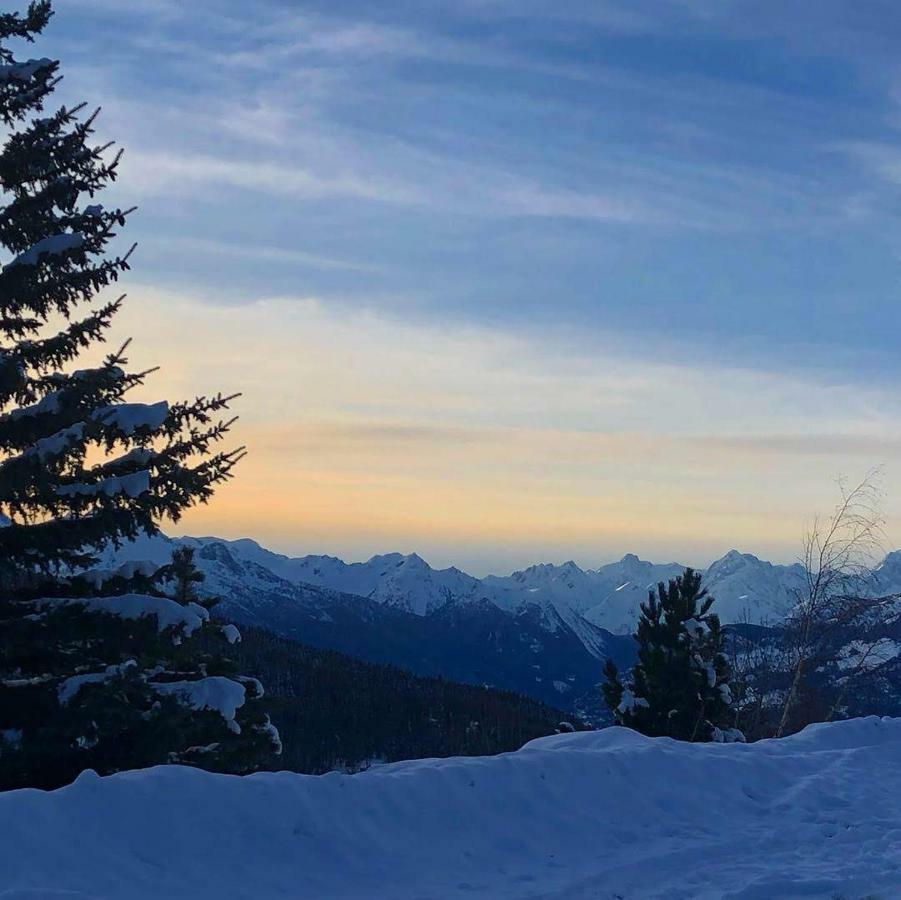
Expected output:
(106, 679)
(680, 684)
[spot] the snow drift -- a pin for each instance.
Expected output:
(601, 814)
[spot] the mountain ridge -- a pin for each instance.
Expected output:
(536, 649)
(747, 589)
(544, 631)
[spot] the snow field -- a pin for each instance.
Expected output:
(600, 814)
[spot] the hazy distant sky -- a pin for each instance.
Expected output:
(506, 281)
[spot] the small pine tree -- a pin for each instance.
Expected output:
(94, 672)
(680, 684)
(183, 574)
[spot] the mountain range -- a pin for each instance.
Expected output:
(543, 631)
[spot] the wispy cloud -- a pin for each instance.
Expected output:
(258, 253)
(882, 159)
(300, 136)
(165, 173)
(869, 447)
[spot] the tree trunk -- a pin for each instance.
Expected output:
(700, 719)
(790, 699)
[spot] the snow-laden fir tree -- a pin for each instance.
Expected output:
(96, 670)
(680, 685)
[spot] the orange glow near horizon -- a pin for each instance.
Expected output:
(363, 439)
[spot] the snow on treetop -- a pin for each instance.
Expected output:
(55, 245)
(128, 417)
(167, 612)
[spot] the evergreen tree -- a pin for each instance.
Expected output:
(96, 669)
(680, 684)
(184, 575)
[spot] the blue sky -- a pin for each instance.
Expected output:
(556, 222)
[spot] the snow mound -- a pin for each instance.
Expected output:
(598, 814)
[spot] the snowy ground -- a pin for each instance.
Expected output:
(605, 814)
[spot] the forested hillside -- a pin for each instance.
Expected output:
(333, 711)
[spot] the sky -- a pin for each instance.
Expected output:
(506, 281)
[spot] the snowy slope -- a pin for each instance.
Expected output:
(625, 587)
(888, 575)
(565, 585)
(745, 587)
(749, 589)
(600, 814)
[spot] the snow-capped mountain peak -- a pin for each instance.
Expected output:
(748, 589)
(745, 587)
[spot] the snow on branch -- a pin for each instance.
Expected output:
(55, 245)
(258, 691)
(696, 628)
(140, 456)
(630, 702)
(132, 485)
(129, 417)
(128, 570)
(168, 613)
(23, 71)
(47, 405)
(57, 443)
(274, 737)
(215, 692)
(71, 686)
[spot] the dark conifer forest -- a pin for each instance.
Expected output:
(336, 712)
